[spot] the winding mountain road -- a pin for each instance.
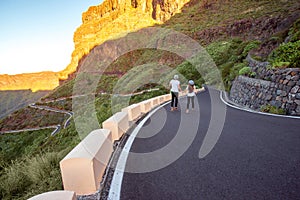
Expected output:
(58, 127)
(255, 157)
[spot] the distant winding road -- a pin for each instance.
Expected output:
(55, 127)
(256, 157)
(58, 126)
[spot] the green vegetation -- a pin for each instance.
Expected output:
(251, 45)
(31, 118)
(245, 71)
(30, 176)
(11, 101)
(15, 145)
(64, 104)
(190, 72)
(229, 57)
(148, 95)
(286, 55)
(30, 161)
(294, 32)
(196, 17)
(60, 91)
(273, 110)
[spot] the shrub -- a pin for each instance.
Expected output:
(14, 181)
(31, 176)
(251, 45)
(245, 71)
(281, 65)
(190, 72)
(219, 51)
(272, 109)
(286, 53)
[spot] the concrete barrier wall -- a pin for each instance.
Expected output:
(154, 102)
(167, 97)
(56, 195)
(145, 106)
(133, 111)
(161, 99)
(82, 169)
(118, 124)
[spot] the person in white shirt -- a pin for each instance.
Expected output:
(175, 88)
(190, 95)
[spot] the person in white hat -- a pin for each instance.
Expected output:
(190, 95)
(175, 88)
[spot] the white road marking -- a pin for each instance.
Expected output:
(256, 112)
(116, 184)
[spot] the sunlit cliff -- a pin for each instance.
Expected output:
(33, 81)
(113, 19)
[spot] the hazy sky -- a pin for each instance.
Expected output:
(37, 35)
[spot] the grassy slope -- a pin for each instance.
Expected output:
(193, 19)
(11, 101)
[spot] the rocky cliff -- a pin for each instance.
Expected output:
(115, 18)
(33, 81)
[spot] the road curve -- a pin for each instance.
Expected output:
(255, 157)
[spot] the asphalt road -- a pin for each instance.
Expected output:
(255, 157)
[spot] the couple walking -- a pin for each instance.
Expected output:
(175, 89)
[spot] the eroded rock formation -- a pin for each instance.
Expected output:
(113, 19)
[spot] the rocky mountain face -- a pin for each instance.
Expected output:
(32, 81)
(113, 19)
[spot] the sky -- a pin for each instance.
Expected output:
(37, 35)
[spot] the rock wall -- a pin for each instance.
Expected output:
(281, 91)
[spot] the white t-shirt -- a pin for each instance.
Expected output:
(174, 85)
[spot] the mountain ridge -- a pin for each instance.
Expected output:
(33, 81)
(109, 20)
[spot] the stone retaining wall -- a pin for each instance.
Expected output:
(254, 93)
(289, 75)
(276, 87)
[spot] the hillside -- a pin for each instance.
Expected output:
(11, 101)
(229, 30)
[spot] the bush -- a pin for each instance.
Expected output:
(272, 109)
(16, 145)
(251, 45)
(31, 176)
(190, 72)
(281, 65)
(286, 53)
(245, 71)
(219, 51)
